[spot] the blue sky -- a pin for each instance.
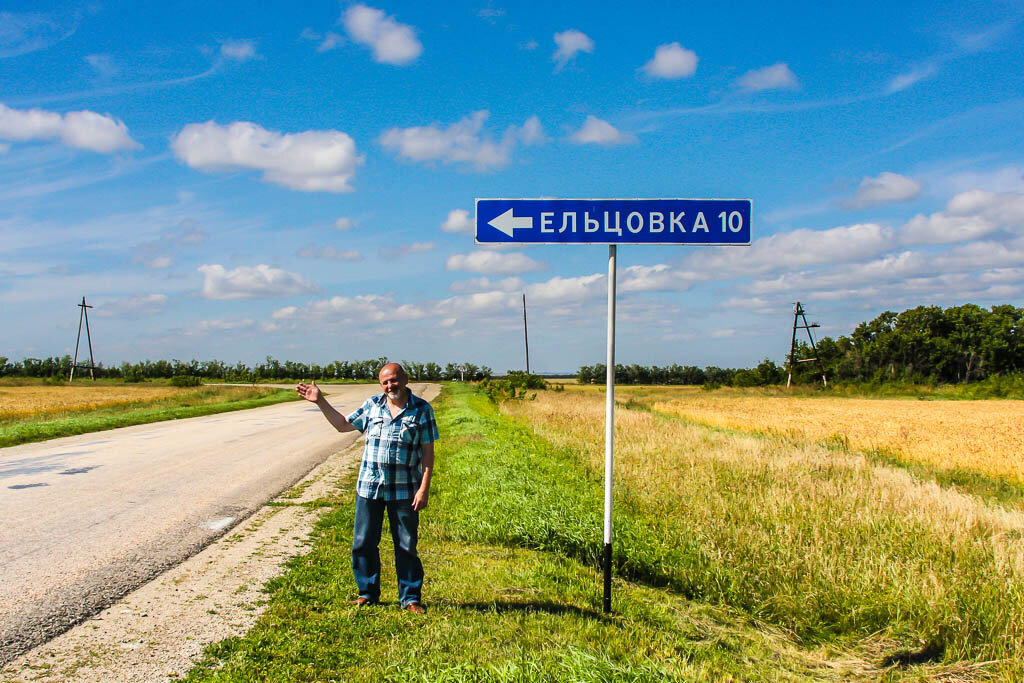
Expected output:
(229, 181)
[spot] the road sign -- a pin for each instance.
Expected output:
(613, 221)
(704, 222)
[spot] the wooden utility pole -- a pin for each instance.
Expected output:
(798, 314)
(526, 336)
(84, 315)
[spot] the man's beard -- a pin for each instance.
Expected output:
(394, 395)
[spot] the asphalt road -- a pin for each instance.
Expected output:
(84, 520)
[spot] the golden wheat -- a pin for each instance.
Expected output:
(978, 436)
(18, 402)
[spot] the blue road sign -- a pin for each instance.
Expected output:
(613, 221)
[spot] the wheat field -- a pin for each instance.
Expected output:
(986, 437)
(36, 400)
(21, 401)
(806, 537)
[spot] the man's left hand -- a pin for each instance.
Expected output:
(419, 501)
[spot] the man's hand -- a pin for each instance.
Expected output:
(310, 392)
(420, 500)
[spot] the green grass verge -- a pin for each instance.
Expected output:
(510, 544)
(40, 429)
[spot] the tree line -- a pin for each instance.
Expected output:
(271, 369)
(766, 372)
(927, 344)
(959, 344)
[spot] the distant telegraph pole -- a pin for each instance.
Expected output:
(84, 315)
(526, 337)
(798, 313)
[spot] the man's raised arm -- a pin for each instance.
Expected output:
(312, 393)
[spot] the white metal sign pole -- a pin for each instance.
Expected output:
(609, 433)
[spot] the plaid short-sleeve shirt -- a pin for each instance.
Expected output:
(391, 468)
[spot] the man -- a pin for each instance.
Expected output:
(398, 462)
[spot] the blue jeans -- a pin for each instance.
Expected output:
(404, 523)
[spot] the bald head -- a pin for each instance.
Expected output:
(395, 368)
(393, 381)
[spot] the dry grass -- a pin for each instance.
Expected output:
(804, 537)
(40, 400)
(986, 437)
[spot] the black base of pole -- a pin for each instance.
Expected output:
(607, 577)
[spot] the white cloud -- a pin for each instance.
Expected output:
(103, 65)
(672, 61)
(329, 253)
(599, 132)
(392, 42)
(571, 43)
(904, 81)
(81, 129)
(312, 161)
(968, 216)
(328, 41)
(982, 254)
(800, 248)
(252, 282)
(157, 254)
(215, 325)
(132, 307)
(1002, 276)
(344, 224)
(370, 307)
(493, 263)
(331, 40)
(461, 142)
(774, 77)
(657, 278)
(25, 32)
(891, 268)
(483, 284)
(563, 289)
(459, 221)
(887, 187)
(480, 302)
(1006, 179)
(531, 132)
(401, 250)
(238, 50)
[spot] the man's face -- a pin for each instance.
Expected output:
(393, 382)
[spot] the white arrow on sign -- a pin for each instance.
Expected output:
(506, 222)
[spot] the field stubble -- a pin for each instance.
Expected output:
(825, 544)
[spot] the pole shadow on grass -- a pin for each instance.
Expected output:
(547, 607)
